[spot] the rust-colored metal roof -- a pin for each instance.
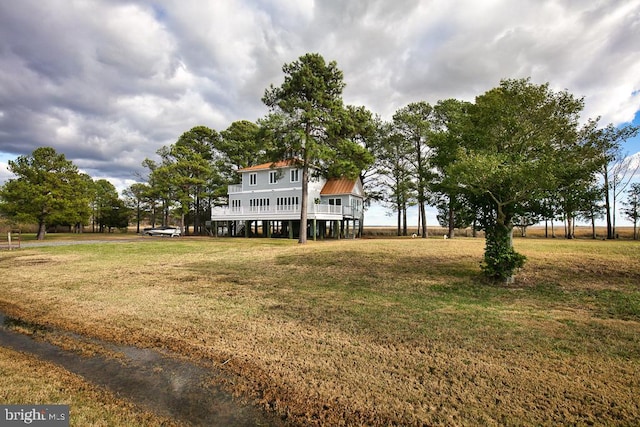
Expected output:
(338, 186)
(270, 165)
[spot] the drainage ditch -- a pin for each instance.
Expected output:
(155, 380)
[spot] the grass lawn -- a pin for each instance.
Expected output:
(373, 331)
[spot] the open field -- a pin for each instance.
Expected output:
(537, 231)
(371, 332)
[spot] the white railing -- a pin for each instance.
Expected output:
(327, 209)
(323, 209)
(235, 188)
(226, 210)
(261, 209)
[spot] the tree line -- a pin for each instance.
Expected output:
(49, 190)
(519, 155)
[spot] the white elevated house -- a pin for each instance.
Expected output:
(268, 201)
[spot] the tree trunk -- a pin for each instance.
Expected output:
(500, 260)
(613, 219)
(154, 210)
(404, 220)
(41, 230)
(196, 219)
(607, 205)
(451, 220)
(165, 210)
(138, 217)
(302, 239)
(496, 263)
(423, 219)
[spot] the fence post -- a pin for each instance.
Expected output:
(10, 239)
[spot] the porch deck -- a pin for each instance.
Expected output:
(283, 213)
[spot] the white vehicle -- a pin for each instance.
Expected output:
(162, 231)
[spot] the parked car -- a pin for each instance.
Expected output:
(162, 231)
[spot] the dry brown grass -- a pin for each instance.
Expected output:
(27, 380)
(371, 332)
(580, 232)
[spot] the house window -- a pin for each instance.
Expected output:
(235, 206)
(335, 202)
(295, 175)
(273, 177)
(253, 179)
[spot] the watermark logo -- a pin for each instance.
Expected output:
(34, 415)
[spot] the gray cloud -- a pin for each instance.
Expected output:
(109, 82)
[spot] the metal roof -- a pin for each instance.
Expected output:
(338, 186)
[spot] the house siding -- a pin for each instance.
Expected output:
(282, 200)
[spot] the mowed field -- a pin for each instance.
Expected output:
(354, 332)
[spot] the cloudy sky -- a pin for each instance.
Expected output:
(108, 82)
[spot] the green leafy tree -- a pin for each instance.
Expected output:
(48, 188)
(591, 208)
(576, 198)
(631, 209)
(352, 136)
(136, 197)
(615, 167)
(575, 180)
(242, 146)
(520, 139)
(119, 215)
(450, 117)
(103, 195)
(550, 211)
(395, 170)
(415, 123)
(186, 172)
(368, 132)
(109, 210)
(159, 193)
(354, 141)
(78, 216)
(529, 216)
(454, 212)
(305, 112)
